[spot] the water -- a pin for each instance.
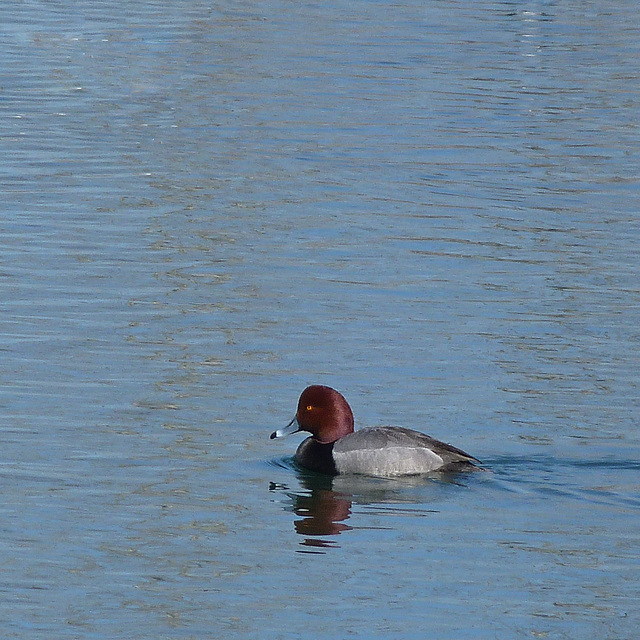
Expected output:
(432, 207)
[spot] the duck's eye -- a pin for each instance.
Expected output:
(309, 407)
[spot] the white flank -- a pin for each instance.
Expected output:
(388, 461)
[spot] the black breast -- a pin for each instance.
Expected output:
(316, 456)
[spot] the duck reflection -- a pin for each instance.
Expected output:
(323, 504)
(321, 510)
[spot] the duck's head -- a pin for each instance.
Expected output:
(323, 412)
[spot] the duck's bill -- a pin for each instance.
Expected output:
(292, 427)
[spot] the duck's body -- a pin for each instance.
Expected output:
(335, 448)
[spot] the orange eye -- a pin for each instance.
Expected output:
(309, 407)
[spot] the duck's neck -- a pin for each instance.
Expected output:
(315, 456)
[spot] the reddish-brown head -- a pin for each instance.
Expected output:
(323, 412)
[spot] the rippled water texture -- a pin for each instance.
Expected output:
(431, 206)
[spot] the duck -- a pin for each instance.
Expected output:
(335, 448)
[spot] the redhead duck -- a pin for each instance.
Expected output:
(335, 448)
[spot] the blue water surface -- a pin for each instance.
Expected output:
(431, 206)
